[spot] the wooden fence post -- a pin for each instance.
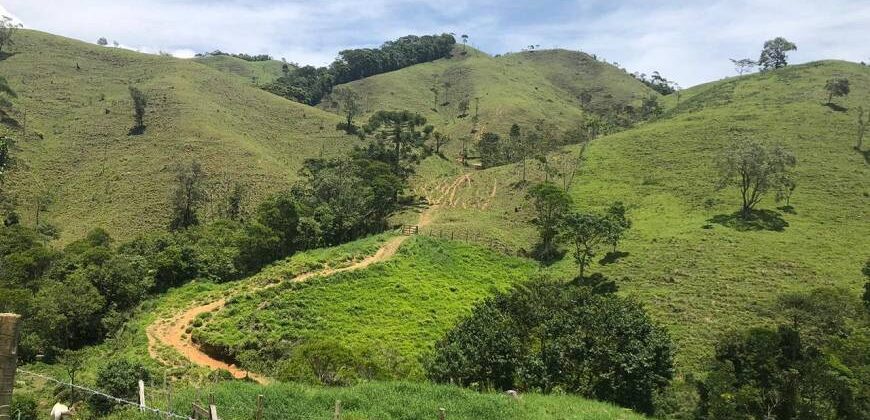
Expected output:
(259, 415)
(9, 324)
(441, 414)
(141, 395)
(337, 414)
(212, 408)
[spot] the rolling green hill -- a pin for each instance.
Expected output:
(696, 275)
(515, 88)
(77, 148)
(256, 72)
(393, 312)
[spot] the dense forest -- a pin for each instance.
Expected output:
(309, 84)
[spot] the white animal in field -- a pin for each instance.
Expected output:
(61, 412)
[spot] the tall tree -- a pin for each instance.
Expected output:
(7, 32)
(551, 204)
(743, 65)
(838, 86)
(188, 197)
(755, 170)
(400, 129)
(774, 55)
(489, 148)
(140, 102)
(349, 102)
(585, 233)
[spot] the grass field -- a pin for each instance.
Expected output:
(387, 401)
(519, 88)
(697, 276)
(396, 309)
(254, 72)
(77, 149)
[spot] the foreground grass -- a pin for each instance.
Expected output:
(385, 401)
(396, 310)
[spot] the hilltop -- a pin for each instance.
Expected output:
(556, 86)
(254, 72)
(77, 150)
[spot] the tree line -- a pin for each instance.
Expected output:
(309, 84)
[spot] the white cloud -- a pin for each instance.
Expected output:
(688, 41)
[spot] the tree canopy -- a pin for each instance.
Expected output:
(774, 55)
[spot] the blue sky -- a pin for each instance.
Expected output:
(688, 41)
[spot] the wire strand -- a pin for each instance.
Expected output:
(104, 395)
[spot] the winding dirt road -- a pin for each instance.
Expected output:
(172, 332)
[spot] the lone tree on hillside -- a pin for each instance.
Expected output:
(755, 170)
(103, 41)
(349, 102)
(838, 86)
(586, 233)
(7, 32)
(743, 65)
(140, 102)
(188, 196)
(551, 203)
(774, 54)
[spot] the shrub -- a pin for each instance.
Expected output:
(552, 336)
(118, 378)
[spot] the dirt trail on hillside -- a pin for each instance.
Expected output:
(172, 332)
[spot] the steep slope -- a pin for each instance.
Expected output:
(699, 276)
(256, 72)
(519, 88)
(77, 148)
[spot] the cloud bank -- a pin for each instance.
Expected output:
(688, 41)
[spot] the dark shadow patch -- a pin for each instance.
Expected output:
(547, 257)
(787, 209)
(597, 282)
(612, 257)
(757, 220)
(8, 121)
(866, 154)
(835, 107)
(135, 131)
(4, 55)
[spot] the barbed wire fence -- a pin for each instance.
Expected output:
(258, 411)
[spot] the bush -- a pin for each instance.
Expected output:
(118, 378)
(24, 407)
(321, 362)
(552, 336)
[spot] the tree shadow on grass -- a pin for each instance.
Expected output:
(866, 154)
(8, 121)
(4, 55)
(136, 131)
(612, 257)
(598, 283)
(757, 220)
(547, 257)
(835, 107)
(787, 209)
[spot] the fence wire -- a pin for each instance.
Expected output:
(156, 411)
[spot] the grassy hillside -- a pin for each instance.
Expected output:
(698, 276)
(397, 309)
(77, 148)
(256, 72)
(515, 88)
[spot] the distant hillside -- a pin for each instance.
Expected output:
(557, 86)
(696, 275)
(256, 72)
(78, 113)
